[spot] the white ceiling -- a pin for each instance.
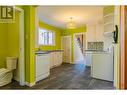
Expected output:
(59, 15)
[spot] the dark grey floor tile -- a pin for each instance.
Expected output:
(67, 76)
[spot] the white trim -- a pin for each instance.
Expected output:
(53, 34)
(30, 84)
(116, 50)
(72, 62)
(79, 33)
(73, 43)
(70, 47)
(21, 47)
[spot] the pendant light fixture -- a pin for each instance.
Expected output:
(71, 23)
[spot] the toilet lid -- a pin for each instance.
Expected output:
(3, 70)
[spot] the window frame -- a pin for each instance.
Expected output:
(54, 38)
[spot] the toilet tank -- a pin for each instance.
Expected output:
(11, 63)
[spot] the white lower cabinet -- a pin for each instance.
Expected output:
(42, 66)
(102, 66)
(55, 59)
(46, 61)
(88, 58)
(52, 59)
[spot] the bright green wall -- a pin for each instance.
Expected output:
(32, 43)
(13, 40)
(9, 39)
(57, 36)
(3, 42)
(29, 25)
(13, 37)
(71, 32)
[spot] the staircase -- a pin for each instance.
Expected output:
(78, 50)
(80, 44)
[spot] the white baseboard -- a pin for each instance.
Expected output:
(77, 61)
(30, 84)
(68, 62)
(71, 62)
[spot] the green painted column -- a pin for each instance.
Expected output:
(29, 25)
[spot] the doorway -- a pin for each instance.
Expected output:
(123, 46)
(79, 47)
(66, 47)
(21, 60)
(12, 42)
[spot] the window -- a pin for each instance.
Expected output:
(46, 37)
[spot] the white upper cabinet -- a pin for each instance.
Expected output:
(99, 32)
(94, 32)
(90, 34)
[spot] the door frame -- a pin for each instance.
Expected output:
(74, 40)
(123, 52)
(21, 47)
(70, 46)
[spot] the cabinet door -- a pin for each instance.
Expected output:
(59, 58)
(42, 64)
(55, 59)
(51, 59)
(102, 66)
(88, 59)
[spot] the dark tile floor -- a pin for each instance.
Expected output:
(67, 76)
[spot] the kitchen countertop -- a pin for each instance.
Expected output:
(47, 51)
(96, 51)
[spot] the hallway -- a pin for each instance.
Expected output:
(67, 76)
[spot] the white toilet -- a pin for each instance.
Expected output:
(6, 74)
